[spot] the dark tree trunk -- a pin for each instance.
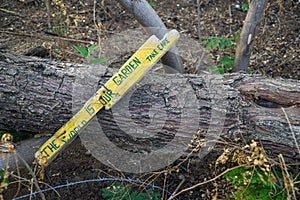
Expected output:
(36, 96)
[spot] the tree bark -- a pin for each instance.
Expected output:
(37, 96)
(246, 43)
(148, 18)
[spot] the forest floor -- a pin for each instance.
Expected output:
(24, 30)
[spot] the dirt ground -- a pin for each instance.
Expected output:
(24, 30)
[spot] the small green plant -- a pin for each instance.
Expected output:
(118, 191)
(253, 179)
(4, 176)
(224, 63)
(4, 182)
(215, 42)
(251, 183)
(245, 7)
(59, 22)
(86, 53)
(59, 30)
(152, 3)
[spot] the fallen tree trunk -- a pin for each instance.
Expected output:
(37, 96)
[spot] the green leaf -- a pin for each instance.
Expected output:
(204, 41)
(228, 43)
(5, 180)
(92, 48)
(134, 195)
(222, 44)
(221, 70)
(216, 43)
(63, 30)
(59, 30)
(225, 59)
(82, 51)
(245, 7)
(107, 193)
(227, 62)
(2, 172)
(264, 192)
(152, 4)
(209, 45)
(98, 61)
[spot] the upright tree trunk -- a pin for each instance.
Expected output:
(148, 18)
(245, 45)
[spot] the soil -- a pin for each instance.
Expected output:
(25, 30)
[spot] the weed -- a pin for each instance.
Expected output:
(86, 53)
(3, 178)
(224, 63)
(118, 191)
(226, 46)
(253, 183)
(245, 7)
(59, 21)
(59, 30)
(5, 146)
(255, 180)
(152, 3)
(215, 42)
(4, 182)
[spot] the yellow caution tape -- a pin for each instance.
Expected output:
(131, 72)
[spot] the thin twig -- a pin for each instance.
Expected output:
(18, 172)
(199, 24)
(12, 12)
(205, 182)
(164, 186)
(179, 185)
(34, 179)
(47, 3)
(292, 131)
(288, 182)
(198, 67)
(27, 180)
(230, 18)
(45, 38)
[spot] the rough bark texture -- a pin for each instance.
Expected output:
(36, 96)
(245, 45)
